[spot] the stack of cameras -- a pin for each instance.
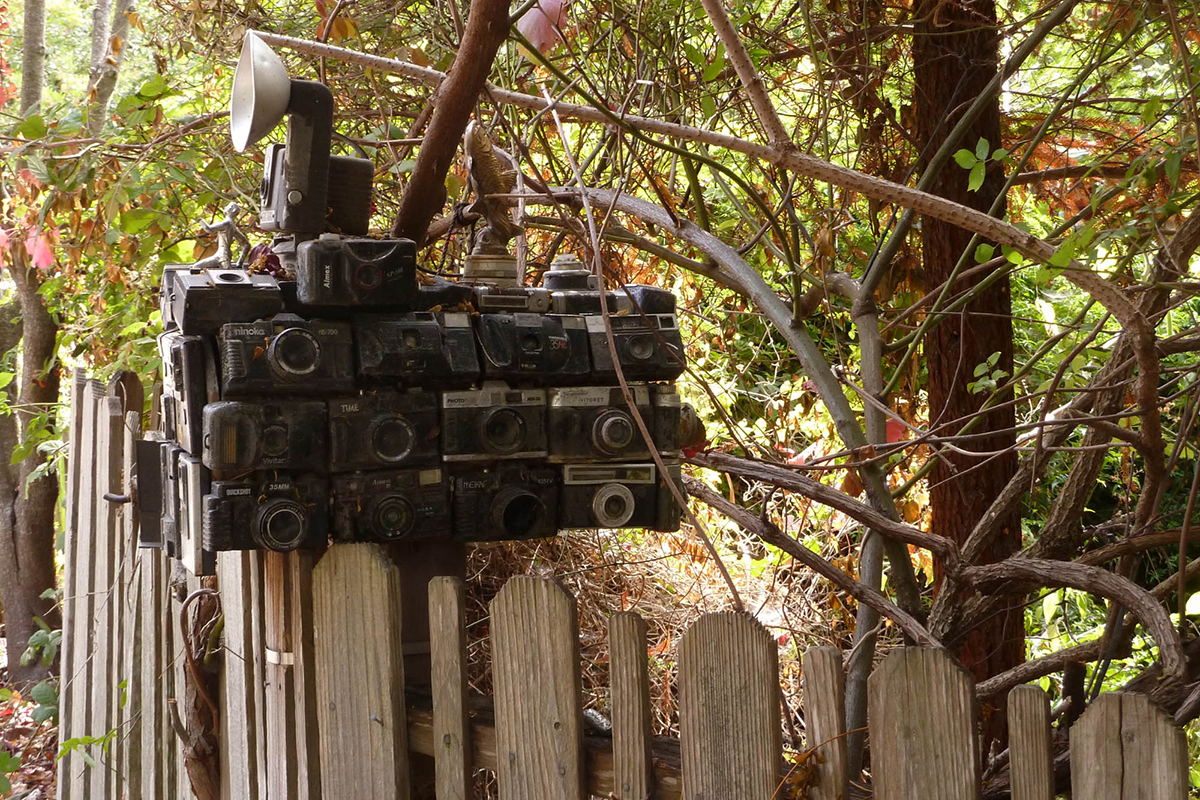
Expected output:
(350, 404)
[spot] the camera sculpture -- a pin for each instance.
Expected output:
(323, 391)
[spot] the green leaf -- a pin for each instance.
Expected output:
(984, 253)
(6, 378)
(155, 87)
(1000, 154)
(694, 55)
(1012, 256)
(1174, 161)
(708, 106)
(1150, 111)
(45, 693)
(976, 178)
(33, 128)
(8, 762)
(965, 158)
(138, 219)
(38, 169)
(43, 713)
(717, 66)
(1049, 606)
(982, 148)
(5, 785)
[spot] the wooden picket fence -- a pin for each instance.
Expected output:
(312, 699)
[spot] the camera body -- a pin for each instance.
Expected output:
(538, 349)
(493, 422)
(243, 435)
(420, 348)
(286, 354)
(649, 347)
(356, 272)
(617, 496)
(590, 423)
(198, 302)
(189, 381)
(269, 511)
(506, 500)
(383, 430)
(391, 506)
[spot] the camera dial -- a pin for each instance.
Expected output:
(392, 438)
(282, 526)
(394, 518)
(613, 432)
(517, 512)
(612, 505)
(295, 351)
(503, 430)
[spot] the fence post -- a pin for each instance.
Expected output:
(360, 674)
(729, 724)
(825, 715)
(239, 728)
(1030, 767)
(130, 611)
(1123, 748)
(535, 654)
(633, 773)
(922, 720)
(448, 656)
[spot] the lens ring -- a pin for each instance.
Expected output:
(295, 352)
(368, 276)
(502, 430)
(612, 505)
(613, 432)
(517, 512)
(282, 526)
(640, 346)
(274, 441)
(392, 438)
(393, 518)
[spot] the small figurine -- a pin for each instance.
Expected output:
(489, 173)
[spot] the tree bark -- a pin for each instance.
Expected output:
(103, 73)
(955, 55)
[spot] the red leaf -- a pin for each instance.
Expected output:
(37, 244)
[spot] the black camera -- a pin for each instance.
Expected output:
(268, 434)
(169, 509)
(505, 501)
(189, 381)
(199, 301)
(301, 194)
(337, 270)
(533, 347)
(149, 495)
(649, 347)
(286, 354)
(616, 496)
(391, 506)
(493, 422)
(594, 422)
(418, 348)
(194, 482)
(385, 429)
(270, 511)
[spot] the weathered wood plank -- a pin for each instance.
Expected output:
(729, 722)
(75, 462)
(630, 689)
(922, 710)
(153, 691)
(186, 583)
(1030, 767)
(238, 735)
(256, 563)
(1123, 748)
(307, 697)
(364, 733)
(130, 611)
(448, 653)
(825, 718)
(535, 654)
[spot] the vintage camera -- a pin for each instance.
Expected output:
(271, 511)
(169, 511)
(391, 506)
(649, 347)
(286, 354)
(189, 381)
(594, 422)
(384, 429)
(418, 348)
(675, 425)
(337, 270)
(148, 459)
(240, 436)
(510, 500)
(493, 422)
(199, 301)
(533, 347)
(616, 496)
(515, 299)
(194, 482)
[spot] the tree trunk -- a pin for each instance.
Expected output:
(954, 56)
(102, 77)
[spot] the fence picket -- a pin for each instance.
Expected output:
(1123, 748)
(153, 592)
(239, 777)
(825, 717)
(922, 710)
(1031, 770)
(633, 773)
(729, 723)
(129, 643)
(360, 673)
(535, 654)
(448, 658)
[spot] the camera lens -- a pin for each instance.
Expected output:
(368, 276)
(531, 342)
(274, 441)
(612, 505)
(392, 438)
(640, 347)
(503, 431)
(295, 351)
(393, 518)
(282, 526)
(613, 432)
(517, 512)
